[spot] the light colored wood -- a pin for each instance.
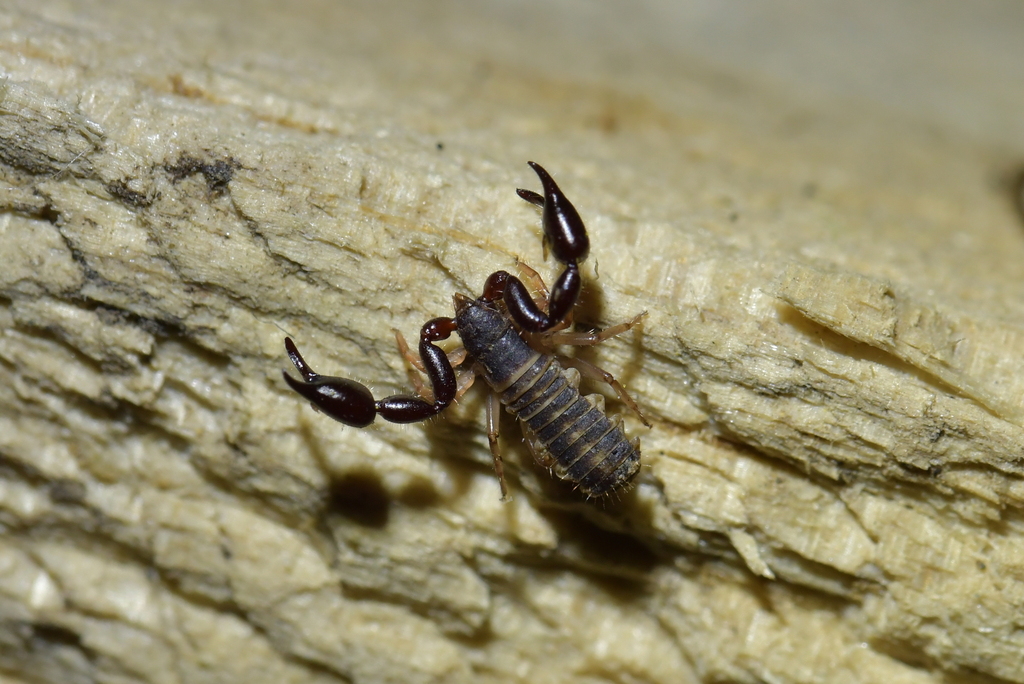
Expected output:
(832, 358)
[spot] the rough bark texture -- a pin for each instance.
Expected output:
(833, 359)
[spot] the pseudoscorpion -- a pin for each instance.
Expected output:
(568, 433)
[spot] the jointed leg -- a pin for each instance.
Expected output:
(596, 373)
(532, 279)
(586, 339)
(455, 358)
(493, 416)
(406, 409)
(541, 295)
(464, 380)
(540, 453)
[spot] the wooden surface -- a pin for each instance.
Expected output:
(832, 360)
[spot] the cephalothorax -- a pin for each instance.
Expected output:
(568, 433)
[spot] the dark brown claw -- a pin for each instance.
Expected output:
(351, 403)
(344, 400)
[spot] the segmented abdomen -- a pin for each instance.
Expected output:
(584, 446)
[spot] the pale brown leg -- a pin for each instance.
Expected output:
(493, 415)
(596, 373)
(415, 363)
(540, 453)
(464, 381)
(536, 283)
(455, 357)
(533, 280)
(586, 339)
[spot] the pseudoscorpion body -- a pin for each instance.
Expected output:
(568, 433)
